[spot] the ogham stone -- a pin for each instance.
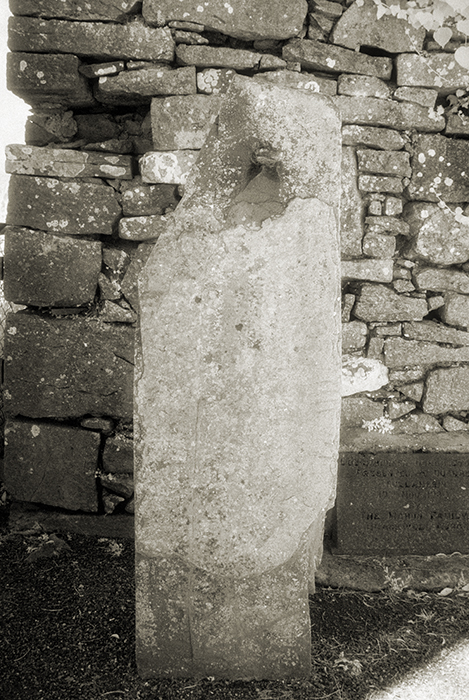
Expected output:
(237, 396)
(242, 19)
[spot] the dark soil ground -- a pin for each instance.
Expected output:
(67, 631)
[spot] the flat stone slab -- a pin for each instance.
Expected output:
(372, 137)
(104, 10)
(315, 55)
(68, 207)
(218, 56)
(379, 303)
(231, 429)
(182, 122)
(400, 353)
(147, 82)
(447, 390)
(370, 111)
(97, 39)
(258, 19)
(51, 464)
(390, 505)
(439, 166)
(362, 440)
(56, 162)
(62, 367)
(299, 81)
(370, 270)
(359, 26)
(433, 70)
(51, 79)
(42, 269)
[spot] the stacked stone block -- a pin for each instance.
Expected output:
(123, 95)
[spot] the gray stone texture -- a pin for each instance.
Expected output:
(436, 236)
(356, 409)
(439, 166)
(42, 129)
(48, 80)
(167, 167)
(435, 333)
(56, 162)
(300, 81)
(400, 353)
(215, 81)
(142, 228)
(438, 280)
(243, 19)
(118, 455)
(354, 336)
(67, 367)
(378, 245)
(104, 10)
(133, 40)
(432, 70)
(182, 122)
(447, 390)
(42, 269)
(455, 311)
(360, 26)
(52, 464)
(363, 86)
(380, 183)
(62, 206)
(389, 225)
(224, 296)
(129, 283)
(217, 56)
(351, 208)
(315, 55)
(370, 270)
(369, 111)
(421, 96)
(379, 303)
(384, 162)
(372, 137)
(141, 85)
(140, 199)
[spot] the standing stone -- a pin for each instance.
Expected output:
(52, 464)
(42, 269)
(238, 394)
(256, 19)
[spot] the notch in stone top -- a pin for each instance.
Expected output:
(243, 19)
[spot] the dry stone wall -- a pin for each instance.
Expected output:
(123, 95)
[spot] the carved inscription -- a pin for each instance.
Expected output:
(403, 503)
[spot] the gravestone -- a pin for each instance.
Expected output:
(390, 505)
(237, 396)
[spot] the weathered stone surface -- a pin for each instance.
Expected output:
(396, 409)
(370, 270)
(400, 353)
(363, 86)
(118, 455)
(372, 137)
(393, 206)
(388, 225)
(56, 162)
(395, 115)
(447, 390)
(315, 55)
(426, 98)
(380, 183)
(142, 228)
(105, 10)
(351, 208)
(436, 236)
(413, 391)
(402, 504)
(433, 70)
(140, 85)
(450, 423)
(360, 26)
(439, 166)
(121, 484)
(356, 409)
(42, 129)
(97, 127)
(362, 374)
(170, 167)
(62, 206)
(215, 295)
(46, 270)
(181, 37)
(379, 303)
(455, 311)
(51, 464)
(182, 122)
(110, 312)
(417, 423)
(100, 40)
(435, 333)
(438, 280)
(359, 440)
(58, 367)
(49, 81)
(217, 56)
(384, 162)
(457, 124)
(300, 81)
(378, 245)
(353, 336)
(140, 199)
(214, 81)
(97, 70)
(257, 19)
(129, 283)
(103, 425)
